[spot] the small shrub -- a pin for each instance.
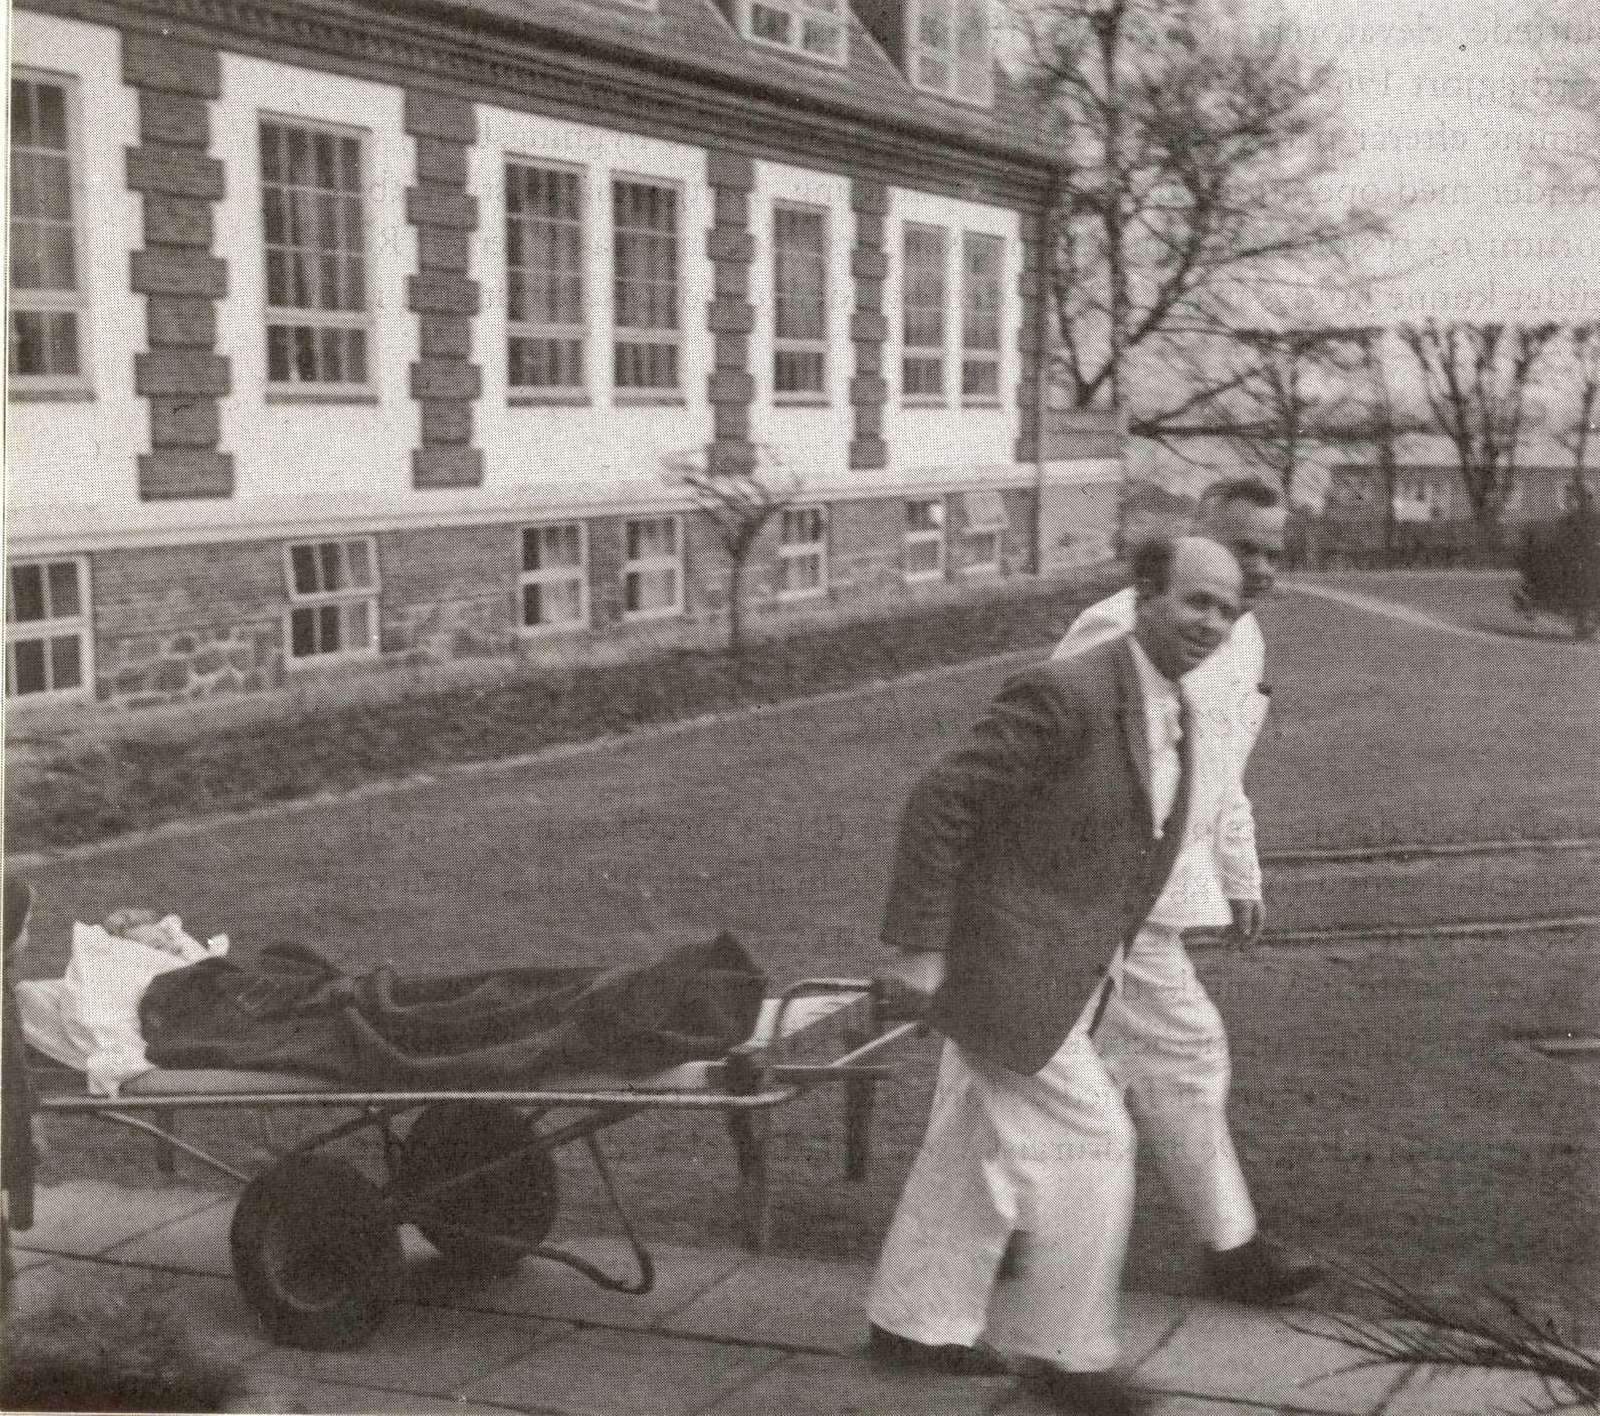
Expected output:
(1560, 567)
(97, 1349)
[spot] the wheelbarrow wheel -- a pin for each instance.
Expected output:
(316, 1252)
(517, 1200)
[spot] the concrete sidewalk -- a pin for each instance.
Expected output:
(724, 1333)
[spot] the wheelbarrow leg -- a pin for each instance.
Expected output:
(751, 1131)
(860, 1094)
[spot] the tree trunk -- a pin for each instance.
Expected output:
(736, 605)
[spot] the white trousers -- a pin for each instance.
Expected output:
(1039, 1171)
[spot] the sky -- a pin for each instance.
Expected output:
(1446, 103)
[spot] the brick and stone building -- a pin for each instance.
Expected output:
(346, 332)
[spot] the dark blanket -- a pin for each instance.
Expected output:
(287, 1009)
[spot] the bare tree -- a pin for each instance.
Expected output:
(1583, 366)
(1475, 379)
(1381, 425)
(1291, 387)
(1196, 156)
(739, 505)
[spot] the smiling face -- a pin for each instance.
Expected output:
(1255, 536)
(1183, 624)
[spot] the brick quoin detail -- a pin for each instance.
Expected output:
(868, 327)
(443, 294)
(729, 316)
(1034, 311)
(181, 374)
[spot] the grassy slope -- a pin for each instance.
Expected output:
(1383, 1106)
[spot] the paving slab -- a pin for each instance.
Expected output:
(193, 1243)
(87, 1217)
(601, 1373)
(1247, 1355)
(786, 1302)
(1468, 1391)
(431, 1351)
(543, 1288)
(287, 1397)
(805, 1384)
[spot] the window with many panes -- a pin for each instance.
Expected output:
(47, 298)
(924, 556)
(554, 581)
(544, 277)
(314, 226)
(799, 301)
(922, 314)
(980, 316)
(803, 552)
(47, 628)
(814, 27)
(652, 567)
(333, 597)
(644, 239)
(952, 48)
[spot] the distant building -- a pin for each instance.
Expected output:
(361, 333)
(1431, 505)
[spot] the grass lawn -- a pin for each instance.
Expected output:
(1479, 599)
(1385, 1102)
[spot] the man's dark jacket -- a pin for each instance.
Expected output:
(1027, 854)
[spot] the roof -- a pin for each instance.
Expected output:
(694, 38)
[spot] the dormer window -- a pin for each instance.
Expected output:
(952, 48)
(811, 27)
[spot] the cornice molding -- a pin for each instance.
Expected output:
(747, 116)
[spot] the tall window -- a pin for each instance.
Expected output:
(951, 49)
(652, 568)
(799, 301)
(47, 628)
(986, 521)
(924, 538)
(554, 580)
(645, 284)
(922, 354)
(45, 345)
(814, 27)
(333, 597)
(980, 315)
(803, 553)
(311, 208)
(544, 277)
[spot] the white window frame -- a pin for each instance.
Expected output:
(975, 533)
(350, 593)
(312, 317)
(971, 355)
(553, 575)
(673, 562)
(921, 536)
(920, 55)
(925, 352)
(792, 552)
(58, 302)
(786, 344)
(54, 627)
(836, 16)
(627, 334)
(537, 329)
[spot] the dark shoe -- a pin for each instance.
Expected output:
(1086, 1393)
(1259, 1273)
(947, 1360)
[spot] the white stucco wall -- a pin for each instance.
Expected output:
(290, 458)
(813, 441)
(66, 461)
(951, 436)
(607, 451)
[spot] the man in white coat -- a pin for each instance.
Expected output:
(1036, 901)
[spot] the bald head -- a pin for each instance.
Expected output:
(1188, 598)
